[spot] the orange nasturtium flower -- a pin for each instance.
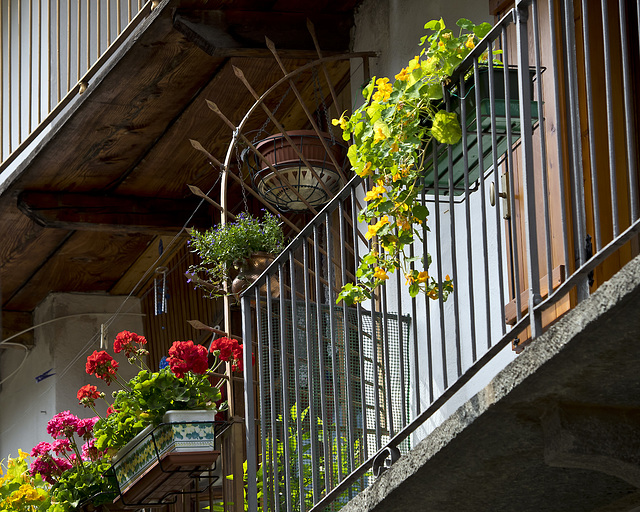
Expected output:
(384, 89)
(423, 276)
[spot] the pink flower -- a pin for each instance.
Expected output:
(90, 452)
(49, 467)
(85, 427)
(102, 365)
(61, 446)
(128, 342)
(63, 424)
(185, 356)
(40, 449)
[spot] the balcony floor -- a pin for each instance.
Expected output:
(581, 381)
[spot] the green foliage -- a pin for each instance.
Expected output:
(19, 491)
(149, 395)
(223, 247)
(391, 134)
(328, 470)
(81, 483)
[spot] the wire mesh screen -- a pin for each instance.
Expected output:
(325, 411)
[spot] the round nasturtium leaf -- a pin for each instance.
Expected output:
(446, 127)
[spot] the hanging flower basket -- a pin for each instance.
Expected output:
(161, 462)
(317, 187)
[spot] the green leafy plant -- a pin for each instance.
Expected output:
(223, 248)
(184, 382)
(328, 471)
(89, 482)
(391, 134)
(19, 490)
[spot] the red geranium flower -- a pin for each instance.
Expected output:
(184, 356)
(102, 365)
(88, 394)
(128, 341)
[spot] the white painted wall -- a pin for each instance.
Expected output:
(393, 28)
(63, 346)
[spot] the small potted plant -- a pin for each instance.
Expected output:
(238, 251)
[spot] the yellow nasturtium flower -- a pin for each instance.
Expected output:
(413, 64)
(375, 193)
(366, 170)
(384, 89)
(342, 121)
(470, 44)
(373, 229)
(403, 76)
(379, 135)
(423, 276)
(380, 273)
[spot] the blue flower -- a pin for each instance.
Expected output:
(163, 363)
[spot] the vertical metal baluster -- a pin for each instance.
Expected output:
(9, 79)
(386, 362)
(78, 44)
(543, 150)
(296, 381)
(58, 63)
(414, 332)
(129, 11)
(576, 144)
(88, 34)
(376, 381)
(528, 190)
(2, 90)
(119, 16)
(467, 214)
(285, 387)
(19, 71)
(262, 379)
(313, 414)
(591, 127)
(109, 22)
(98, 29)
(513, 239)
(363, 390)
(347, 341)
(274, 470)
(39, 73)
(610, 120)
(483, 205)
(68, 30)
(497, 179)
(454, 258)
(425, 257)
(326, 440)
(30, 73)
(443, 341)
(403, 405)
(252, 490)
(559, 132)
(630, 132)
(334, 343)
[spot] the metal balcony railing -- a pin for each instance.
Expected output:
(343, 391)
(49, 51)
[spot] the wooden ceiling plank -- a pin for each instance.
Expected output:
(228, 33)
(87, 262)
(110, 213)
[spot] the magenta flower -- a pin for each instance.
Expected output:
(61, 446)
(41, 449)
(63, 424)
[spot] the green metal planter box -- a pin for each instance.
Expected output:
(502, 139)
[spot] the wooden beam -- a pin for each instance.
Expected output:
(111, 213)
(229, 33)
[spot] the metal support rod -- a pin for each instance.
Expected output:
(531, 241)
(252, 467)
